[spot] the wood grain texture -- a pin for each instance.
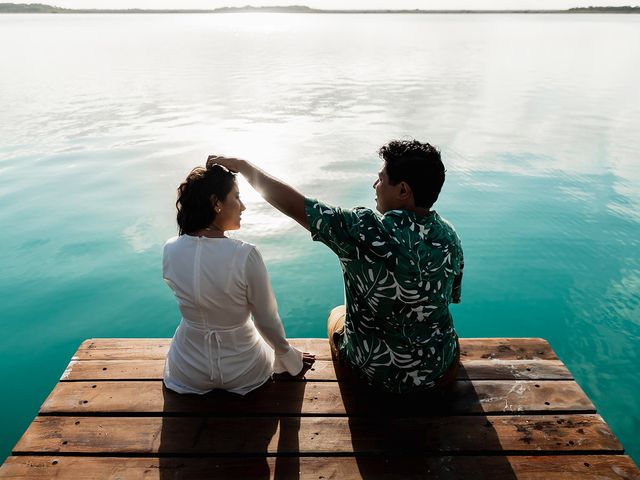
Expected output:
(471, 348)
(157, 348)
(318, 435)
(564, 467)
(322, 370)
(316, 398)
(514, 412)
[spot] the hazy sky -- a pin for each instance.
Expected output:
(343, 4)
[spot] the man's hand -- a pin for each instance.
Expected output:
(231, 163)
(279, 194)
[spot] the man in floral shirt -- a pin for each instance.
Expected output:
(402, 268)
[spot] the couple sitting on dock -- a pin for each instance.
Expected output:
(402, 268)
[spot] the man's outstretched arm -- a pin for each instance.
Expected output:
(279, 194)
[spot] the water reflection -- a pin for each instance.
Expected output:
(536, 116)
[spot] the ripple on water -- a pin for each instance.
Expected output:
(541, 150)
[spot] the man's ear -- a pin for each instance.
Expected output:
(404, 192)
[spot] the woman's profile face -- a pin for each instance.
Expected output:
(228, 218)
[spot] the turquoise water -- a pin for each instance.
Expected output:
(536, 116)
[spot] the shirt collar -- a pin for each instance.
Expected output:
(402, 214)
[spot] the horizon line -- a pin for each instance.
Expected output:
(42, 8)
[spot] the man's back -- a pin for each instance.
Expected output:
(401, 271)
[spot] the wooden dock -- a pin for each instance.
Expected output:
(516, 412)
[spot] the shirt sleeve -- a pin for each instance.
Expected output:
(264, 310)
(457, 281)
(342, 230)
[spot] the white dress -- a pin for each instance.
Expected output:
(218, 283)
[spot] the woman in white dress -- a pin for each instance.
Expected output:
(219, 283)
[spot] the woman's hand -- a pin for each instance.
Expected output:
(230, 163)
(308, 359)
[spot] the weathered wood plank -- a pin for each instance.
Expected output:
(506, 348)
(322, 370)
(318, 435)
(313, 398)
(156, 348)
(471, 348)
(532, 410)
(565, 467)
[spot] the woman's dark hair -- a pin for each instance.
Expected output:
(419, 165)
(197, 195)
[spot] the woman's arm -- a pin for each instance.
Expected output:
(279, 194)
(264, 310)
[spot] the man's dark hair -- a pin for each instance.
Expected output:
(196, 194)
(419, 165)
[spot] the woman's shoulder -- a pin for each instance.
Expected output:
(172, 240)
(170, 244)
(247, 258)
(241, 243)
(240, 246)
(235, 242)
(232, 246)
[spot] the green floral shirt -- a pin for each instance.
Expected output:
(401, 272)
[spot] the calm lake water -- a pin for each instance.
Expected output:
(537, 117)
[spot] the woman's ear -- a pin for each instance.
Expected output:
(215, 203)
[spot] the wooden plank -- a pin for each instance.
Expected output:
(323, 370)
(318, 435)
(506, 348)
(313, 398)
(471, 348)
(509, 369)
(100, 370)
(156, 348)
(565, 467)
(513, 399)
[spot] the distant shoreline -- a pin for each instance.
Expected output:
(42, 8)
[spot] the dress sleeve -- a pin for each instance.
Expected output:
(342, 230)
(264, 310)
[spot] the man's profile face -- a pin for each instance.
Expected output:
(385, 192)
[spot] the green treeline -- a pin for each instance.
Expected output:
(30, 8)
(625, 9)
